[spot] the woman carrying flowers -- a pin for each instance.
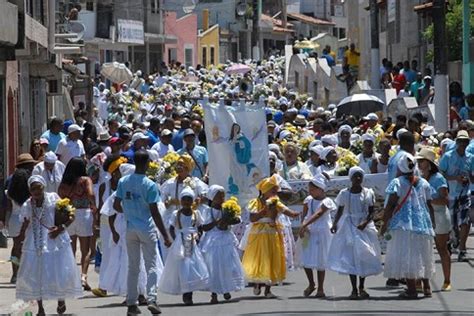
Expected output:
(48, 268)
(219, 244)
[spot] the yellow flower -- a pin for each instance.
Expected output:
(199, 110)
(232, 207)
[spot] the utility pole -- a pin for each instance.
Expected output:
(374, 45)
(257, 13)
(441, 99)
(467, 63)
(284, 18)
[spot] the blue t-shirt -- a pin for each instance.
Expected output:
(278, 117)
(129, 154)
(201, 157)
(451, 164)
(437, 181)
(177, 140)
(464, 113)
(153, 138)
(137, 193)
(53, 139)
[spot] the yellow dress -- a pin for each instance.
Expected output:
(264, 256)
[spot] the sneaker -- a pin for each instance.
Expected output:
(133, 310)
(142, 300)
(392, 283)
(214, 298)
(462, 256)
(154, 308)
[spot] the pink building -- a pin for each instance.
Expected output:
(185, 30)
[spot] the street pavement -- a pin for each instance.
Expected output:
(290, 301)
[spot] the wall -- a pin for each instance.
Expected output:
(8, 23)
(185, 29)
(207, 39)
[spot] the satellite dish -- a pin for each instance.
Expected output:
(189, 6)
(77, 28)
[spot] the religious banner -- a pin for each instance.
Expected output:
(238, 147)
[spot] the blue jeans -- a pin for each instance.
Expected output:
(138, 241)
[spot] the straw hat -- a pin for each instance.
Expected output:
(24, 159)
(429, 155)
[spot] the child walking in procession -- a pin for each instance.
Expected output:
(355, 248)
(185, 270)
(219, 245)
(264, 252)
(314, 234)
(48, 268)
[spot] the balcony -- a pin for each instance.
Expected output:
(8, 23)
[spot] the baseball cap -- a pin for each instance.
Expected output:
(166, 132)
(138, 136)
(74, 128)
(188, 132)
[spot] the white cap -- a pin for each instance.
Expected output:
(138, 136)
(74, 128)
(368, 137)
(428, 131)
(166, 132)
(372, 117)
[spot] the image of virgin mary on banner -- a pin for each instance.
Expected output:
(237, 146)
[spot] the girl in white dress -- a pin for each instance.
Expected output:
(219, 248)
(48, 268)
(185, 269)
(355, 248)
(314, 234)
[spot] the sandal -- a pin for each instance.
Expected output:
(308, 291)
(408, 295)
(427, 292)
(320, 295)
(61, 307)
(214, 298)
(270, 295)
(257, 290)
(84, 283)
(354, 295)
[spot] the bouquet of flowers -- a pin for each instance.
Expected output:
(168, 166)
(63, 211)
(153, 170)
(346, 161)
(272, 201)
(231, 210)
(199, 110)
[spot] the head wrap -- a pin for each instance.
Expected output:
(447, 142)
(326, 151)
(343, 128)
(355, 138)
(213, 190)
(267, 184)
(318, 149)
(271, 154)
(315, 142)
(50, 157)
(126, 169)
(36, 179)
(187, 161)
(400, 132)
(320, 181)
(116, 164)
(354, 170)
(368, 137)
(330, 139)
(284, 134)
(406, 163)
(187, 191)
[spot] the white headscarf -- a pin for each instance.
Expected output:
(187, 191)
(320, 181)
(343, 128)
(213, 190)
(406, 163)
(330, 139)
(326, 151)
(354, 170)
(36, 179)
(126, 169)
(50, 157)
(368, 137)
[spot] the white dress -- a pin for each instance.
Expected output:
(219, 248)
(355, 251)
(185, 269)
(15, 220)
(113, 276)
(48, 269)
(313, 248)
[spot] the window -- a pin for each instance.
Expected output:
(172, 55)
(342, 33)
(297, 80)
(334, 32)
(188, 57)
(212, 57)
(90, 6)
(204, 56)
(155, 7)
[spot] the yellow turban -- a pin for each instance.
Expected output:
(116, 164)
(187, 161)
(267, 184)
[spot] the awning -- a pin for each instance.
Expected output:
(310, 20)
(154, 38)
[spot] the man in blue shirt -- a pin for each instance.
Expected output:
(154, 131)
(458, 168)
(329, 58)
(198, 153)
(177, 140)
(54, 134)
(137, 198)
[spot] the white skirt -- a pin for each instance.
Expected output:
(409, 255)
(15, 222)
(312, 250)
(289, 243)
(184, 274)
(219, 249)
(355, 251)
(50, 275)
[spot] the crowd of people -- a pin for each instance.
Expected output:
(167, 231)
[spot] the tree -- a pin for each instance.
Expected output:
(453, 31)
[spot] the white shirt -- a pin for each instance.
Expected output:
(68, 149)
(103, 108)
(162, 149)
(53, 178)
